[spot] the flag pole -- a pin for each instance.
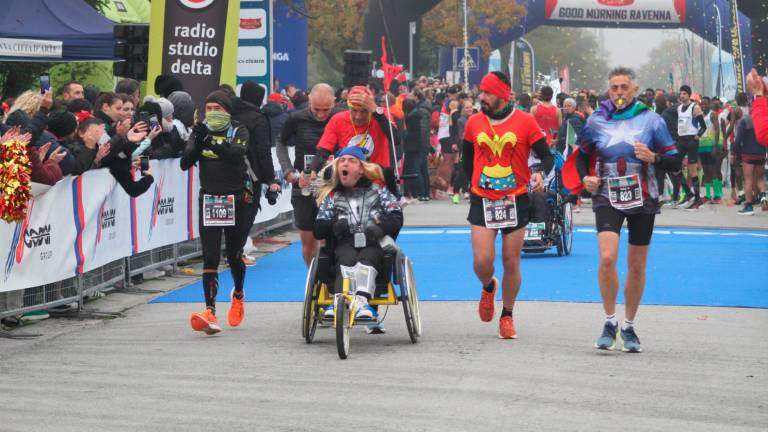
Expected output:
(392, 138)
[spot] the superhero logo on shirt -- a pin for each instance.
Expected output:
(497, 173)
(362, 140)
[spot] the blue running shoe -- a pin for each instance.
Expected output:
(607, 341)
(366, 312)
(631, 341)
(328, 312)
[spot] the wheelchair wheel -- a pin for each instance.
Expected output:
(309, 319)
(410, 301)
(341, 308)
(565, 242)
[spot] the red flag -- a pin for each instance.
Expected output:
(571, 179)
(390, 71)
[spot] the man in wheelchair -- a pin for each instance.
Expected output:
(355, 212)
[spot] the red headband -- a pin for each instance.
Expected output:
(495, 86)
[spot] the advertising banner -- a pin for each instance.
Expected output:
(616, 11)
(195, 41)
(254, 52)
(289, 55)
(30, 48)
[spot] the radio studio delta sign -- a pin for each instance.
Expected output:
(617, 11)
(197, 44)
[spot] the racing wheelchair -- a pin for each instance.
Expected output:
(396, 269)
(551, 222)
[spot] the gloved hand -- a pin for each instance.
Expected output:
(373, 233)
(341, 228)
(201, 131)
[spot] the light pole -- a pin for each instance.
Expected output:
(466, 47)
(411, 32)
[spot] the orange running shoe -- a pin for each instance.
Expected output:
(507, 328)
(487, 299)
(205, 322)
(236, 310)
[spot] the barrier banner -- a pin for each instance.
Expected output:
(84, 222)
(43, 248)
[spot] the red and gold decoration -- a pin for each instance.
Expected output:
(15, 176)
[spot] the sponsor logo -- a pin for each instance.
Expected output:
(281, 56)
(37, 237)
(196, 4)
(616, 2)
(250, 23)
(108, 218)
(165, 207)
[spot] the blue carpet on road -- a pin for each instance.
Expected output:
(685, 267)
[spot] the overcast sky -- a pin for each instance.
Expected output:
(630, 47)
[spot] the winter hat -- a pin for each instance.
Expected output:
(62, 123)
(276, 98)
(183, 107)
(252, 92)
(222, 98)
(167, 84)
(166, 107)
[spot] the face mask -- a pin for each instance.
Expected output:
(217, 120)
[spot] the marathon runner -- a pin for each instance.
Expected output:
(497, 143)
(219, 145)
(690, 128)
(303, 129)
(618, 151)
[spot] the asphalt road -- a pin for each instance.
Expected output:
(703, 369)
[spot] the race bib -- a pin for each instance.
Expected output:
(500, 214)
(534, 231)
(625, 192)
(218, 210)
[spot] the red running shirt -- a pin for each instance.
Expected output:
(500, 161)
(546, 117)
(340, 133)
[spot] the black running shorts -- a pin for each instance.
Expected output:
(688, 146)
(477, 217)
(304, 212)
(639, 225)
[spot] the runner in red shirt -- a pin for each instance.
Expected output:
(363, 126)
(547, 115)
(497, 143)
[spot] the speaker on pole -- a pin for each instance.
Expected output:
(357, 67)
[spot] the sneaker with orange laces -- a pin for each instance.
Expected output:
(236, 309)
(486, 305)
(507, 328)
(205, 322)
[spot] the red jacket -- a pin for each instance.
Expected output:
(760, 119)
(47, 173)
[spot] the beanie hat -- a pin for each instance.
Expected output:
(354, 151)
(166, 107)
(221, 98)
(183, 107)
(62, 123)
(167, 84)
(252, 92)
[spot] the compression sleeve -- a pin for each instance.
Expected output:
(541, 149)
(702, 125)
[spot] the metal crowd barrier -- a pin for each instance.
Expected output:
(113, 276)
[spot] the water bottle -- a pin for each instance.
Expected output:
(306, 190)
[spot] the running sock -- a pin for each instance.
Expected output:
(489, 287)
(210, 289)
(506, 312)
(695, 187)
(627, 324)
(612, 319)
(708, 188)
(717, 185)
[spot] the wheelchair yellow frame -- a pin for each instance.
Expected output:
(325, 298)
